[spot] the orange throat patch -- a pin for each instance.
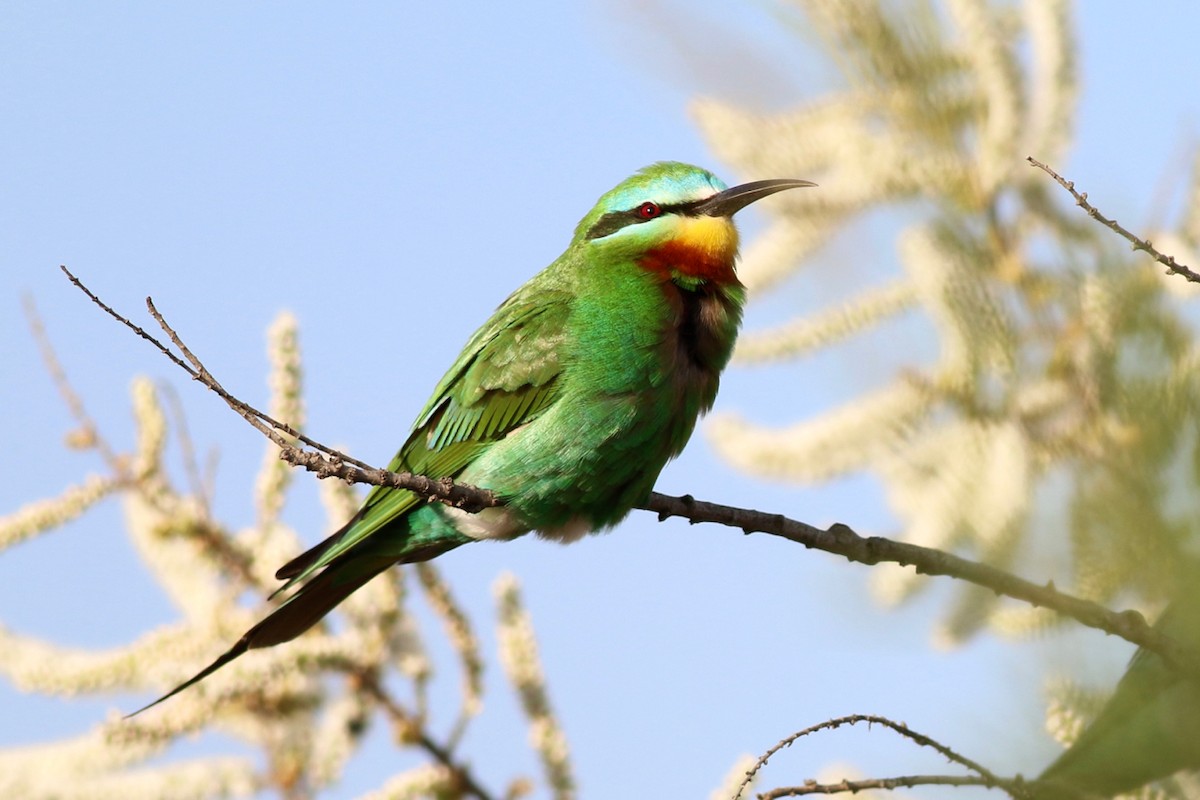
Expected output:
(704, 249)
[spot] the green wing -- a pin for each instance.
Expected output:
(505, 377)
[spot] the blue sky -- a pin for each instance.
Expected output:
(389, 173)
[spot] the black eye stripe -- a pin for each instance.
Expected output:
(613, 221)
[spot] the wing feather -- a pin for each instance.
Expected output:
(505, 377)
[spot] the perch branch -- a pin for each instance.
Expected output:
(839, 539)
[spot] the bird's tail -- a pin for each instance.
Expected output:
(317, 597)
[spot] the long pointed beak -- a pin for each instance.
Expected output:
(733, 200)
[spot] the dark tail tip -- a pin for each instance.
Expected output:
(242, 646)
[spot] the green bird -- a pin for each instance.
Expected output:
(567, 402)
(1148, 730)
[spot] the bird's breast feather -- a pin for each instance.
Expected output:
(703, 247)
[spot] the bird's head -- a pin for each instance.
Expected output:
(675, 220)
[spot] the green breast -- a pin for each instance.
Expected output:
(641, 361)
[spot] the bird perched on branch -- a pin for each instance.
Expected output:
(567, 402)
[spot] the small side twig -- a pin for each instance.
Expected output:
(1137, 242)
(88, 429)
(462, 639)
(408, 727)
(1015, 787)
(984, 775)
(236, 561)
(201, 488)
(325, 462)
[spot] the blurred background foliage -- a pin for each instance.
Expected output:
(1052, 431)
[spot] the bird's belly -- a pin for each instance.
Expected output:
(572, 530)
(580, 467)
(490, 523)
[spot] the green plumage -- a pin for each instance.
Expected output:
(567, 402)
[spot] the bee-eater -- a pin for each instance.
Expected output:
(1148, 730)
(569, 400)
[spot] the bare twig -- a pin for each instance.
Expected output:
(333, 464)
(271, 428)
(1014, 787)
(462, 639)
(852, 719)
(235, 560)
(409, 728)
(841, 540)
(87, 426)
(201, 489)
(1138, 243)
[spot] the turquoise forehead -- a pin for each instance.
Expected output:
(665, 182)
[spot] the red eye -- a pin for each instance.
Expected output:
(648, 210)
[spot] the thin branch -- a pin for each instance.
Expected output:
(1138, 243)
(187, 450)
(273, 429)
(462, 638)
(278, 432)
(87, 426)
(235, 560)
(871, 719)
(442, 490)
(334, 464)
(410, 729)
(841, 540)
(1013, 787)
